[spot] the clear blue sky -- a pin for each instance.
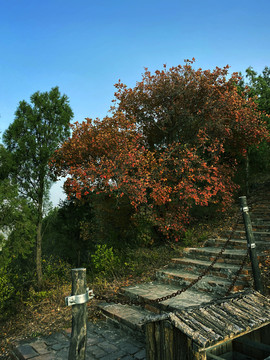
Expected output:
(85, 46)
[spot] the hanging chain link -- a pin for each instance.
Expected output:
(238, 273)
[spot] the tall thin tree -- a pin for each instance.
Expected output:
(38, 129)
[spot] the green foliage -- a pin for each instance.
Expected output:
(30, 140)
(105, 260)
(6, 289)
(17, 220)
(34, 297)
(145, 234)
(56, 270)
(192, 237)
(66, 234)
(36, 132)
(112, 221)
(259, 88)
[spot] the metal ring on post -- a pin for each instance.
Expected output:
(79, 299)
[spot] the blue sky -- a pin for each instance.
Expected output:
(85, 46)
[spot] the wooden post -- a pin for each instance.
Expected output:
(251, 245)
(77, 347)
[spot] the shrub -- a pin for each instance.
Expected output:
(105, 260)
(55, 270)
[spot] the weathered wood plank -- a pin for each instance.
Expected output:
(233, 324)
(219, 321)
(205, 318)
(168, 340)
(198, 334)
(150, 341)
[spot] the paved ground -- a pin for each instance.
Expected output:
(104, 342)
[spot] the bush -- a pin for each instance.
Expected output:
(105, 260)
(55, 270)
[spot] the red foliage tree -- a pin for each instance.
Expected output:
(170, 144)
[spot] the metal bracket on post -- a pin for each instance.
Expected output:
(244, 209)
(79, 299)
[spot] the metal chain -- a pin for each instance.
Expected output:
(237, 273)
(178, 292)
(205, 272)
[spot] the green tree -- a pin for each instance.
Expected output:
(17, 222)
(65, 233)
(38, 129)
(258, 160)
(260, 86)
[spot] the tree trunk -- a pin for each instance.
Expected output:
(39, 241)
(38, 254)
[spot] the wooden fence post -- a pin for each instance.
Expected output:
(78, 339)
(251, 245)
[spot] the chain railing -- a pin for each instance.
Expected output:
(185, 288)
(143, 301)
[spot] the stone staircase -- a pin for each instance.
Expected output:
(181, 271)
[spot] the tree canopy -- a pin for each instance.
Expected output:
(171, 143)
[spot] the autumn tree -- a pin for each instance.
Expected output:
(31, 139)
(174, 105)
(171, 144)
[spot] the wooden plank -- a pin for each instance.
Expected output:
(254, 344)
(233, 326)
(188, 327)
(219, 321)
(259, 305)
(212, 356)
(168, 340)
(157, 340)
(150, 341)
(208, 320)
(235, 310)
(257, 314)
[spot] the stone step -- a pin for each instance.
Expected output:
(208, 283)
(241, 234)
(129, 318)
(229, 256)
(256, 226)
(260, 216)
(222, 270)
(154, 290)
(261, 245)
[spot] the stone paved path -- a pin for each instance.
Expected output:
(104, 342)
